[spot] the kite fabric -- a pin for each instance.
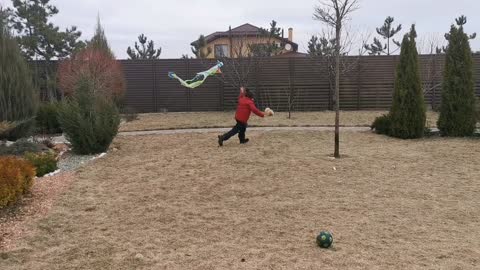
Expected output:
(199, 78)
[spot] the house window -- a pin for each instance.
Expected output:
(222, 50)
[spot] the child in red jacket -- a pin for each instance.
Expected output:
(244, 108)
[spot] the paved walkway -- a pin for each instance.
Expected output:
(61, 139)
(220, 130)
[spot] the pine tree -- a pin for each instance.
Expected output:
(321, 46)
(387, 31)
(40, 39)
(273, 30)
(407, 114)
(314, 46)
(457, 111)
(18, 98)
(200, 49)
(144, 50)
(270, 47)
(99, 40)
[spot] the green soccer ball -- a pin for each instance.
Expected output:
(324, 239)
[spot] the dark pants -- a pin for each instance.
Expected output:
(239, 128)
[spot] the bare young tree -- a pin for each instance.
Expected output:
(241, 61)
(334, 14)
(287, 98)
(241, 64)
(431, 46)
(292, 95)
(321, 49)
(431, 43)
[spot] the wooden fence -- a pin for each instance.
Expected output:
(302, 84)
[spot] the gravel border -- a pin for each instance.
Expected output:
(70, 162)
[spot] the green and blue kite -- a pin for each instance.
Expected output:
(199, 78)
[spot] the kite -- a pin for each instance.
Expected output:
(199, 78)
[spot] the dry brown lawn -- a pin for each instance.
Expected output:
(180, 202)
(225, 119)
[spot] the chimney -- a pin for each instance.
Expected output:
(290, 34)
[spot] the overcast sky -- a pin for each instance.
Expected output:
(173, 25)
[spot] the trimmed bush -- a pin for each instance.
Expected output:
(16, 178)
(457, 111)
(47, 118)
(408, 112)
(382, 124)
(19, 148)
(18, 98)
(46, 141)
(89, 121)
(43, 162)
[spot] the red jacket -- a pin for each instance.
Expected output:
(245, 107)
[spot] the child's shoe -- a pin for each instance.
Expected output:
(220, 140)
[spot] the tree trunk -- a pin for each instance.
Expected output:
(388, 46)
(337, 89)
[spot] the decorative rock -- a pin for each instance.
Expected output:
(52, 173)
(61, 147)
(139, 256)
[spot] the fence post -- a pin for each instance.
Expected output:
(257, 87)
(330, 97)
(154, 84)
(187, 91)
(221, 94)
(359, 80)
(291, 67)
(434, 79)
